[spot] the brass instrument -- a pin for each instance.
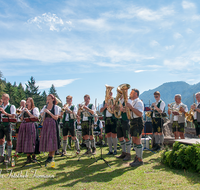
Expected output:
(58, 101)
(22, 112)
(148, 113)
(19, 110)
(177, 110)
(109, 101)
(65, 107)
(190, 115)
(117, 103)
(124, 89)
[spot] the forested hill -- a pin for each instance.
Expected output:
(168, 91)
(18, 92)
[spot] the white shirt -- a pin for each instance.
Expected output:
(100, 125)
(78, 126)
(74, 111)
(86, 118)
(36, 112)
(137, 104)
(56, 110)
(177, 106)
(195, 112)
(12, 109)
(108, 114)
(162, 106)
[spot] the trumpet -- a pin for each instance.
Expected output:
(65, 107)
(22, 112)
(19, 110)
(190, 115)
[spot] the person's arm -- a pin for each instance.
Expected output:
(134, 110)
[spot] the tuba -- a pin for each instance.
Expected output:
(121, 90)
(124, 89)
(109, 101)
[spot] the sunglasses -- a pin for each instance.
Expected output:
(156, 96)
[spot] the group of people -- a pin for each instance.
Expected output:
(125, 128)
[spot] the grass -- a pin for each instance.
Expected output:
(72, 174)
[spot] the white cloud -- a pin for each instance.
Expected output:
(189, 31)
(51, 21)
(109, 65)
(142, 13)
(139, 71)
(97, 23)
(154, 43)
(57, 83)
(177, 64)
(177, 35)
(188, 5)
(169, 47)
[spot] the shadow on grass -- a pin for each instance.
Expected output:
(193, 177)
(84, 174)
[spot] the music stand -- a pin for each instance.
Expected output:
(101, 158)
(87, 114)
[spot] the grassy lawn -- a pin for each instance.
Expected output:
(72, 174)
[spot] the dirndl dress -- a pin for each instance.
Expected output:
(49, 137)
(27, 141)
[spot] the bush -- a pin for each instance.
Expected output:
(182, 157)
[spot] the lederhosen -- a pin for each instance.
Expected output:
(123, 127)
(179, 126)
(136, 126)
(157, 121)
(28, 138)
(68, 126)
(5, 127)
(86, 126)
(197, 122)
(49, 140)
(110, 122)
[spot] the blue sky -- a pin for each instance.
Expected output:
(79, 46)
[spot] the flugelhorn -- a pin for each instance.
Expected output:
(19, 110)
(65, 107)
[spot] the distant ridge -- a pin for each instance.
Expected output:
(168, 91)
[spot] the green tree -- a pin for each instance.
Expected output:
(33, 91)
(52, 90)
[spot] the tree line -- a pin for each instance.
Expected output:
(18, 92)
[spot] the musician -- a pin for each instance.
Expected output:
(110, 127)
(98, 129)
(136, 125)
(68, 120)
(6, 111)
(157, 121)
(178, 120)
(86, 124)
(123, 132)
(197, 114)
(22, 106)
(28, 140)
(78, 129)
(49, 140)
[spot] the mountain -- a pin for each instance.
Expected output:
(168, 91)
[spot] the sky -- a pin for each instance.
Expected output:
(79, 46)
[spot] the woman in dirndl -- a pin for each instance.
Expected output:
(49, 140)
(27, 141)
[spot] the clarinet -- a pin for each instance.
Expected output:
(42, 119)
(22, 112)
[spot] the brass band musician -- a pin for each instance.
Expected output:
(157, 121)
(178, 111)
(197, 114)
(6, 111)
